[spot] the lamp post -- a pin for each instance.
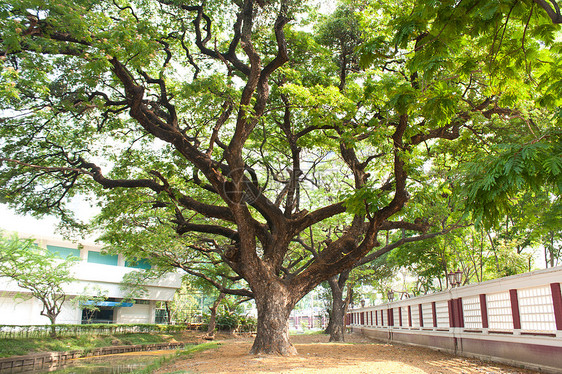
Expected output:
(390, 295)
(451, 279)
(458, 277)
(455, 279)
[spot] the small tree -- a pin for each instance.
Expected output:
(89, 301)
(38, 271)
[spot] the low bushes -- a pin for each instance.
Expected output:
(87, 342)
(40, 331)
(232, 322)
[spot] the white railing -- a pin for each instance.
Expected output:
(523, 310)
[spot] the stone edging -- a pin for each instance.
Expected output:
(40, 360)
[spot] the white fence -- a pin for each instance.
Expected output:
(516, 320)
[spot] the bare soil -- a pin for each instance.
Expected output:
(357, 355)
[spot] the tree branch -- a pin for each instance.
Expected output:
(402, 241)
(552, 11)
(185, 227)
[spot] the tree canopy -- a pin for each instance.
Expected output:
(252, 127)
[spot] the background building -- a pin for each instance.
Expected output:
(95, 273)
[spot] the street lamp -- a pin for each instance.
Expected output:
(458, 277)
(451, 279)
(390, 295)
(455, 279)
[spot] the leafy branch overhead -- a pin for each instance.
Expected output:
(250, 128)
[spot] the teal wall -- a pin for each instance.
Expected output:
(63, 251)
(98, 258)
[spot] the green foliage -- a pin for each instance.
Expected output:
(479, 254)
(494, 182)
(341, 30)
(30, 340)
(373, 279)
(185, 307)
(235, 322)
(427, 260)
(97, 329)
(207, 151)
(39, 272)
(89, 299)
(231, 316)
(367, 197)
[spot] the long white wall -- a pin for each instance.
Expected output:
(516, 320)
(138, 313)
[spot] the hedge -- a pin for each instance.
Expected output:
(41, 331)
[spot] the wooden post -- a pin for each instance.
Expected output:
(515, 309)
(410, 315)
(484, 311)
(557, 304)
(451, 308)
(434, 312)
(460, 313)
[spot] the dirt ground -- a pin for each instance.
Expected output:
(316, 355)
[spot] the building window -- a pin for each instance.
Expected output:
(63, 252)
(138, 264)
(161, 316)
(99, 258)
(101, 315)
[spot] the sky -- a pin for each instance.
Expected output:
(47, 226)
(10, 221)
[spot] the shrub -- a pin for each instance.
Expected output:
(39, 331)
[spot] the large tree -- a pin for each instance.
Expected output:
(238, 125)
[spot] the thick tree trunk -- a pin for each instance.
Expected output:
(336, 327)
(274, 306)
(337, 333)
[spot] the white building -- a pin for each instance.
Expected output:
(94, 272)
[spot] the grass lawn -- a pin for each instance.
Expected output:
(20, 347)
